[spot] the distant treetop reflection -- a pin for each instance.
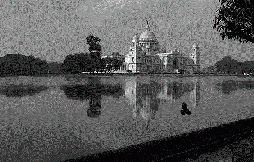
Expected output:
(228, 86)
(93, 91)
(21, 90)
(95, 106)
(84, 92)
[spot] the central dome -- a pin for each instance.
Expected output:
(147, 36)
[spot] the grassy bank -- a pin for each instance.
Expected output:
(179, 148)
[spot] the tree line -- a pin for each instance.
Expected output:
(18, 64)
(90, 62)
(228, 65)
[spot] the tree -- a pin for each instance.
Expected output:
(55, 68)
(17, 64)
(95, 52)
(85, 62)
(247, 67)
(77, 63)
(107, 63)
(116, 63)
(38, 66)
(93, 43)
(208, 70)
(228, 65)
(70, 64)
(235, 20)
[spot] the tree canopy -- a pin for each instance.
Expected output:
(235, 20)
(231, 66)
(93, 43)
(77, 63)
(17, 64)
(228, 65)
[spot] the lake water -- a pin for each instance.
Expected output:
(61, 117)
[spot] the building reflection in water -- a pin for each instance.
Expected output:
(146, 96)
(142, 95)
(165, 94)
(93, 91)
(195, 93)
(172, 90)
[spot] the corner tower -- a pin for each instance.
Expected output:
(131, 57)
(195, 56)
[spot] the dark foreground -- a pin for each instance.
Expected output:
(186, 146)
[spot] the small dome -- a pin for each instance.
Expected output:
(135, 38)
(195, 45)
(147, 36)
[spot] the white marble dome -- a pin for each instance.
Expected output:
(147, 36)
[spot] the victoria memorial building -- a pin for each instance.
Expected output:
(144, 56)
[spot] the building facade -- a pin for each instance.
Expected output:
(144, 56)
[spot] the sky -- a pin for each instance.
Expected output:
(52, 29)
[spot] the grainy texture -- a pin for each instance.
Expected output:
(76, 116)
(53, 29)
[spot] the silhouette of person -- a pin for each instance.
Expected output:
(185, 110)
(182, 112)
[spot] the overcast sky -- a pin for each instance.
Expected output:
(52, 29)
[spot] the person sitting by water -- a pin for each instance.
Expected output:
(185, 110)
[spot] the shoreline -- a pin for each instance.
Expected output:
(238, 150)
(181, 147)
(163, 74)
(128, 74)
